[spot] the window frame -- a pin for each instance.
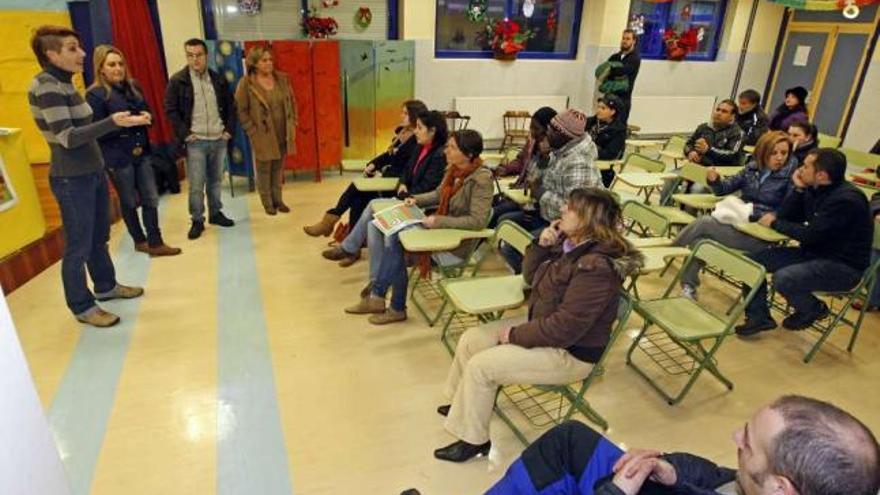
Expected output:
(570, 54)
(712, 53)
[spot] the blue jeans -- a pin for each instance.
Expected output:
(364, 231)
(84, 201)
(796, 275)
(204, 170)
(132, 181)
(392, 268)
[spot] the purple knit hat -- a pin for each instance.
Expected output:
(571, 123)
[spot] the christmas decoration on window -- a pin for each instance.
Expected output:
(637, 24)
(506, 38)
(528, 8)
(317, 27)
(476, 10)
(363, 17)
(329, 3)
(249, 7)
(552, 22)
(679, 45)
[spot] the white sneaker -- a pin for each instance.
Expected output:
(689, 292)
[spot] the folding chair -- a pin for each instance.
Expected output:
(485, 298)
(696, 174)
(828, 141)
(689, 334)
(438, 241)
(516, 128)
(862, 159)
(649, 177)
(674, 149)
(547, 405)
(839, 304)
(645, 227)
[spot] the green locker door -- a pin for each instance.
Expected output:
(395, 83)
(358, 99)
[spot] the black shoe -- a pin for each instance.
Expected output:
(220, 219)
(196, 230)
(751, 327)
(802, 321)
(443, 410)
(411, 491)
(462, 451)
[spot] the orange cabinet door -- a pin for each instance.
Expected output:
(294, 58)
(328, 102)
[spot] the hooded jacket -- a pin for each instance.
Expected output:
(574, 297)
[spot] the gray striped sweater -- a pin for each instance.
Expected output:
(65, 120)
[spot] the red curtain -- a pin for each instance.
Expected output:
(133, 34)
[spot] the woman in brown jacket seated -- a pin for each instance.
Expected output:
(576, 268)
(267, 111)
(463, 201)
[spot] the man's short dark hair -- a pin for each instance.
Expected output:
(824, 450)
(830, 161)
(632, 32)
(751, 96)
(50, 38)
(196, 42)
(732, 104)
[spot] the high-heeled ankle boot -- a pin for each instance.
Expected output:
(462, 451)
(324, 227)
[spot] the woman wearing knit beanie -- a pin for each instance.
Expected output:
(793, 109)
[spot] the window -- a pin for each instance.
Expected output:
(554, 23)
(654, 18)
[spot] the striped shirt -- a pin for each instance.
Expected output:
(65, 120)
(570, 167)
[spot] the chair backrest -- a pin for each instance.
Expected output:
(861, 158)
(456, 121)
(649, 221)
(694, 172)
(827, 141)
(516, 120)
(675, 143)
(513, 235)
(644, 163)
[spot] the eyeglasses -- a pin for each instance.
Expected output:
(195, 55)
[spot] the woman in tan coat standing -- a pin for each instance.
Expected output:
(267, 111)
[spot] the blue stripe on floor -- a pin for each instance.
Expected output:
(84, 400)
(251, 457)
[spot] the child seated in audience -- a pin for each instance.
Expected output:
(576, 268)
(391, 163)
(527, 166)
(805, 136)
(793, 109)
(830, 219)
(423, 173)
(751, 119)
(608, 131)
(572, 157)
(764, 182)
(463, 201)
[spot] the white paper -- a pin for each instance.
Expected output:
(802, 55)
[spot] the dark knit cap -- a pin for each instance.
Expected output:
(799, 92)
(544, 115)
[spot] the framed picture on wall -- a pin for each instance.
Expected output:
(8, 199)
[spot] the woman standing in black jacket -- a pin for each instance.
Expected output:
(388, 164)
(608, 131)
(127, 151)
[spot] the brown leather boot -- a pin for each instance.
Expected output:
(367, 305)
(388, 316)
(163, 250)
(142, 247)
(338, 254)
(347, 262)
(283, 208)
(324, 227)
(120, 292)
(97, 317)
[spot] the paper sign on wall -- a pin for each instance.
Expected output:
(802, 55)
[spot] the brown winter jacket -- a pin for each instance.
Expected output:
(256, 118)
(574, 297)
(469, 208)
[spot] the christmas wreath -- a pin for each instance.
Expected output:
(363, 17)
(476, 10)
(679, 45)
(249, 7)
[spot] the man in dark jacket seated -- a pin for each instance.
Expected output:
(794, 446)
(718, 142)
(830, 219)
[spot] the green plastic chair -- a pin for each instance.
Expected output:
(828, 141)
(485, 298)
(840, 304)
(544, 406)
(644, 163)
(861, 158)
(674, 150)
(644, 227)
(646, 167)
(689, 334)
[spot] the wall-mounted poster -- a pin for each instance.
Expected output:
(7, 192)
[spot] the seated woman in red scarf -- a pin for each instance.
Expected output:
(463, 201)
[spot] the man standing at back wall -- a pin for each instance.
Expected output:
(631, 60)
(199, 105)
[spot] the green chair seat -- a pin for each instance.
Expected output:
(649, 242)
(485, 294)
(376, 184)
(675, 215)
(354, 165)
(697, 201)
(682, 318)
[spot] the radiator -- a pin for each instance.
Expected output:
(663, 115)
(487, 112)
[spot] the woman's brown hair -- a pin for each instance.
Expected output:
(413, 109)
(767, 143)
(253, 57)
(602, 219)
(98, 60)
